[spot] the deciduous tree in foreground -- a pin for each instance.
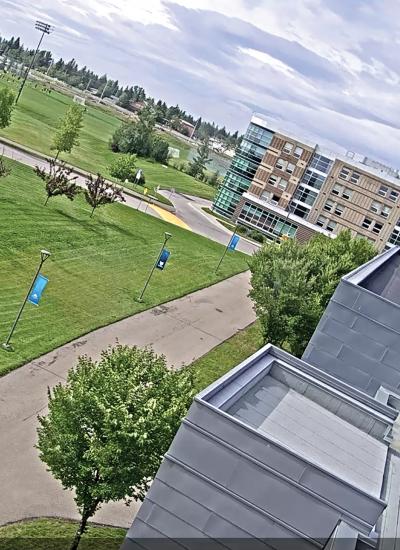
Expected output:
(292, 284)
(69, 127)
(58, 180)
(99, 192)
(109, 425)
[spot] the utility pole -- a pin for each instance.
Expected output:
(44, 254)
(44, 28)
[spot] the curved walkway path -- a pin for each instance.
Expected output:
(182, 330)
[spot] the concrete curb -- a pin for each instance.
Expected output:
(84, 173)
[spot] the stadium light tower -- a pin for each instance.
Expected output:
(44, 28)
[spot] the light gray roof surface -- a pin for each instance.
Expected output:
(314, 433)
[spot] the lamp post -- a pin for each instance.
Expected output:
(44, 254)
(226, 250)
(44, 28)
(167, 236)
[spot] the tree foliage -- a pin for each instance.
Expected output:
(199, 163)
(292, 284)
(109, 425)
(58, 180)
(67, 134)
(123, 168)
(99, 192)
(139, 138)
(7, 98)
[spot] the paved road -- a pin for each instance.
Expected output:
(189, 209)
(182, 330)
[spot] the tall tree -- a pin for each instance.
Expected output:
(108, 427)
(69, 127)
(58, 180)
(99, 192)
(199, 163)
(292, 284)
(7, 98)
(124, 168)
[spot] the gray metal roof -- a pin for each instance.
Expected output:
(307, 428)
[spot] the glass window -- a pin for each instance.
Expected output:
(282, 183)
(339, 209)
(377, 228)
(347, 193)
(355, 176)
(281, 164)
(313, 179)
(366, 223)
(375, 207)
(273, 179)
(386, 211)
(383, 190)
(266, 221)
(305, 195)
(321, 221)
(299, 209)
(344, 173)
(337, 189)
(298, 152)
(395, 237)
(259, 135)
(329, 205)
(393, 196)
(287, 148)
(320, 163)
(266, 195)
(290, 168)
(331, 225)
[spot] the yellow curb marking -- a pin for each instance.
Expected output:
(169, 217)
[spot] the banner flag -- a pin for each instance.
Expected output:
(37, 290)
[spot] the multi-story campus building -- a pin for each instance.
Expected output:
(283, 453)
(281, 185)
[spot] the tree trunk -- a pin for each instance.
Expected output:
(56, 157)
(87, 513)
(47, 200)
(93, 209)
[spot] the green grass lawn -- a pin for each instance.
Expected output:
(227, 355)
(34, 121)
(97, 268)
(49, 534)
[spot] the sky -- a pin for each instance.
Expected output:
(327, 70)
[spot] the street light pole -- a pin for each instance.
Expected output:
(44, 28)
(167, 236)
(226, 250)
(44, 254)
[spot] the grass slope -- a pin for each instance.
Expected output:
(97, 268)
(36, 116)
(227, 355)
(49, 534)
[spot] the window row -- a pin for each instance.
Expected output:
(305, 195)
(288, 149)
(372, 225)
(267, 221)
(348, 174)
(334, 207)
(250, 150)
(258, 135)
(278, 181)
(388, 193)
(236, 182)
(285, 166)
(342, 191)
(323, 222)
(381, 209)
(313, 179)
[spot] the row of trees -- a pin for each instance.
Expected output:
(84, 78)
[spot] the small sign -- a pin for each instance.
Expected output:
(145, 190)
(37, 290)
(233, 242)
(139, 174)
(162, 260)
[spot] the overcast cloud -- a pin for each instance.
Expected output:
(328, 70)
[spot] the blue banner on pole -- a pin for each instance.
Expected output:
(162, 260)
(233, 242)
(37, 290)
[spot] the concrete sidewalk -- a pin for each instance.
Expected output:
(182, 330)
